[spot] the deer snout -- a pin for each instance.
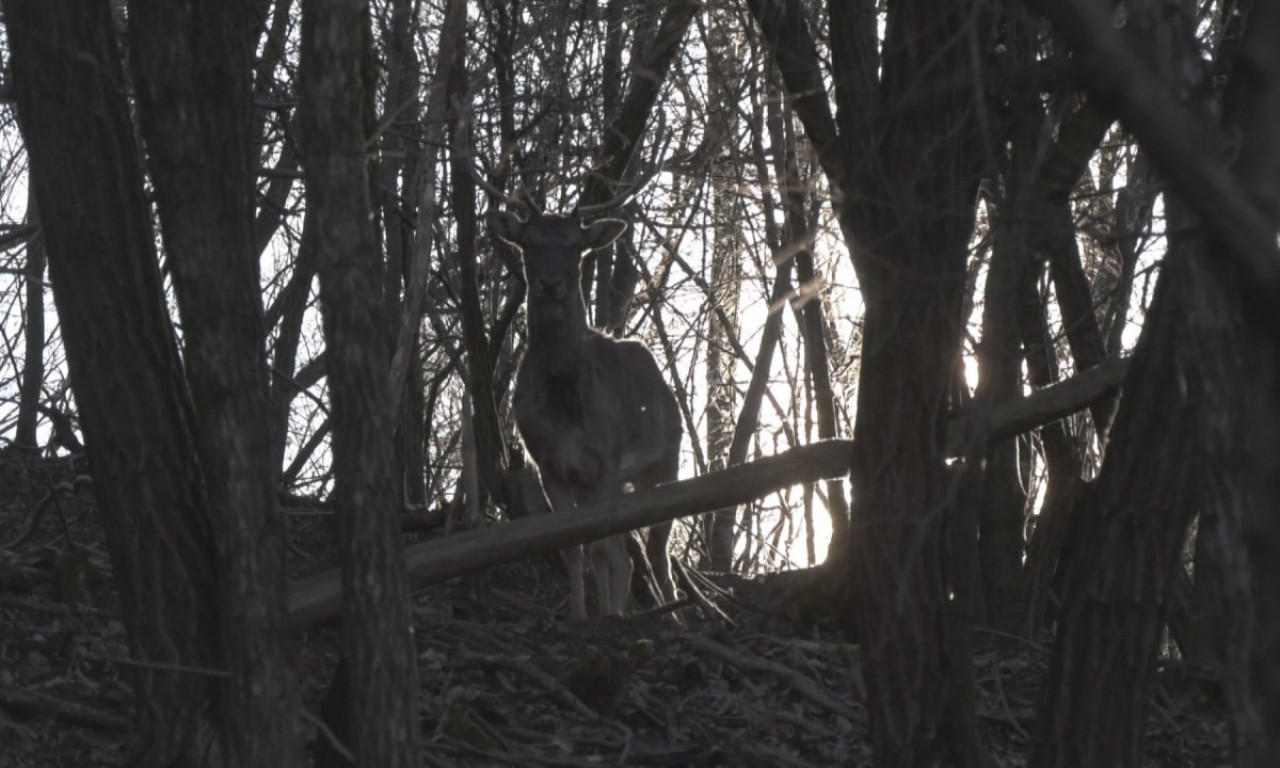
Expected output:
(550, 287)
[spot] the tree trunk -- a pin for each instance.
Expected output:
(726, 275)
(291, 307)
(813, 327)
(33, 334)
(906, 217)
(1128, 547)
(1243, 380)
(398, 203)
(193, 67)
(1063, 458)
(124, 369)
(490, 447)
(377, 628)
(1001, 499)
(911, 264)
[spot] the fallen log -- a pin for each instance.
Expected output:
(319, 597)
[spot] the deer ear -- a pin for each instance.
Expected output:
(507, 226)
(600, 233)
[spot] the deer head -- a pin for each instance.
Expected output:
(552, 247)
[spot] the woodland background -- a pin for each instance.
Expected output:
(997, 292)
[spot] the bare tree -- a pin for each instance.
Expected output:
(398, 205)
(382, 679)
(33, 360)
(910, 259)
(724, 83)
(134, 409)
(193, 67)
(1118, 594)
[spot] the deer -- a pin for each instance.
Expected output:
(594, 413)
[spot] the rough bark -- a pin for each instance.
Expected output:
(1244, 379)
(1128, 548)
(993, 486)
(124, 367)
(193, 68)
(1176, 142)
(906, 211)
(1233, 314)
(377, 629)
(1127, 540)
(913, 218)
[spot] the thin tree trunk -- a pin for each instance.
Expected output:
(124, 369)
(424, 183)
(1000, 498)
(490, 446)
(726, 277)
(1051, 237)
(33, 334)
(377, 629)
(398, 200)
(272, 41)
(1063, 462)
(291, 307)
(813, 327)
(610, 263)
(749, 415)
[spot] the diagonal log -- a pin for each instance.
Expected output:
(318, 598)
(977, 426)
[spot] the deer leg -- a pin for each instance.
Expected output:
(612, 565)
(659, 560)
(609, 557)
(560, 498)
(655, 548)
(577, 595)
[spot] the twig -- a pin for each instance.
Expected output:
(329, 735)
(29, 701)
(709, 609)
(523, 667)
(802, 684)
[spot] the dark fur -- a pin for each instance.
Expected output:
(594, 413)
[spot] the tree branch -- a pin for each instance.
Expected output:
(1176, 141)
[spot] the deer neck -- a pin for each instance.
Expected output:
(558, 329)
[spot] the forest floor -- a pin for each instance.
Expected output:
(503, 682)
